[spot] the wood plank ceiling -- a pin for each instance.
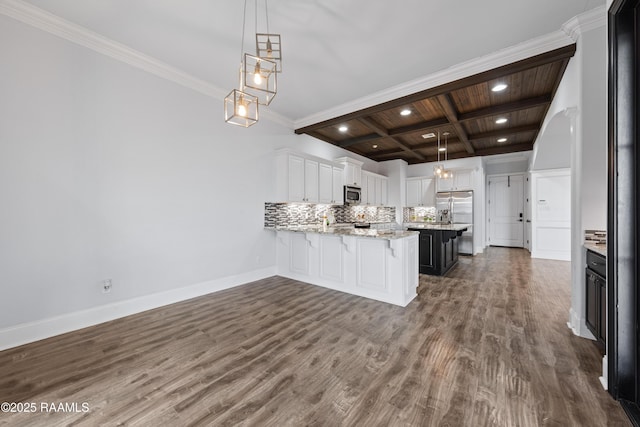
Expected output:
(467, 109)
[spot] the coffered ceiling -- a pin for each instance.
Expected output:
(472, 118)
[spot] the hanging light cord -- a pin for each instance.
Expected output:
(266, 11)
(244, 19)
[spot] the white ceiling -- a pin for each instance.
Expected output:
(334, 51)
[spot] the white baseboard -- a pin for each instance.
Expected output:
(605, 369)
(578, 326)
(556, 255)
(34, 331)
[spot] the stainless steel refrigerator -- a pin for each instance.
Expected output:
(459, 205)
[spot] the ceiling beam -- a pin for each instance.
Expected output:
(358, 139)
(452, 115)
(380, 130)
(505, 149)
(565, 53)
(508, 107)
(418, 127)
(505, 131)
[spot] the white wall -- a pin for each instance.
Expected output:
(107, 171)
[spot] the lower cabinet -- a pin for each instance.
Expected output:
(596, 297)
(377, 268)
(438, 251)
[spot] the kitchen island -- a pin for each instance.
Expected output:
(438, 246)
(376, 264)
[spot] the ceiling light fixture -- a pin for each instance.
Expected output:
(343, 128)
(405, 112)
(501, 120)
(429, 135)
(439, 169)
(502, 140)
(258, 80)
(374, 146)
(499, 87)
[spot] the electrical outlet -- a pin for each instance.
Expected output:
(106, 286)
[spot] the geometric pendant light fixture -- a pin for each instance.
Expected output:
(258, 76)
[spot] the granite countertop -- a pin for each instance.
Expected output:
(431, 226)
(388, 234)
(599, 249)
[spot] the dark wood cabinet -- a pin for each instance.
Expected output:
(596, 297)
(438, 250)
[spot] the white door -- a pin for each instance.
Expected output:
(506, 211)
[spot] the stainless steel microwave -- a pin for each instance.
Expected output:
(352, 195)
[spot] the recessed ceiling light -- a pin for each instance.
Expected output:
(405, 112)
(501, 120)
(429, 135)
(343, 128)
(374, 146)
(499, 87)
(442, 149)
(502, 140)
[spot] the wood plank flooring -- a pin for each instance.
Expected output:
(487, 345)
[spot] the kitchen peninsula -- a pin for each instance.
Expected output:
(438, 246)
(376, 264)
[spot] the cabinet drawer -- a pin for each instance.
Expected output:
(597, 263)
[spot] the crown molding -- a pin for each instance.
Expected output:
(505, 56)
(53, 24)
(587, 21)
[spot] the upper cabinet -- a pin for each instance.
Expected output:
(374, 189)
(352, 171)
(421, 192)
(461, 180)
(303, 178)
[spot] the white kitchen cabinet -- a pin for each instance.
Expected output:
(295, 181)
(421, 192)
(311, 181)
(325, 183)
(305, 178)
(461, 180)
(352, 171)
(384, 191)
(384, 269)
(338, 185)
(374, 189)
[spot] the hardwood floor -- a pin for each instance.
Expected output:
(487, 345)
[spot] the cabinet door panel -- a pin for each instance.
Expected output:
(384, 184)
(311, 181)
(591, 297)
(414, 192)
(602, 321)
(371, 190)
(325, 185)
(338, 189)
(296, 179)
(428, 192)
(463, 180)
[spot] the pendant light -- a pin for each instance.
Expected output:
(438, 168)
(240, 106)
(446, 173)
(268, 45)
(259, 76)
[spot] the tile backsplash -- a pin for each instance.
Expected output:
(418, 214)
(288, 214)
(599, 237)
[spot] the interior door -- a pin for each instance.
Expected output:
(506, 211)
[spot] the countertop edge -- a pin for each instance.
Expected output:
(599, 249)
(348, 233)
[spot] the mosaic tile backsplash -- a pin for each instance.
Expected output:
(418, 214)
(291, 214)
(598, 237)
